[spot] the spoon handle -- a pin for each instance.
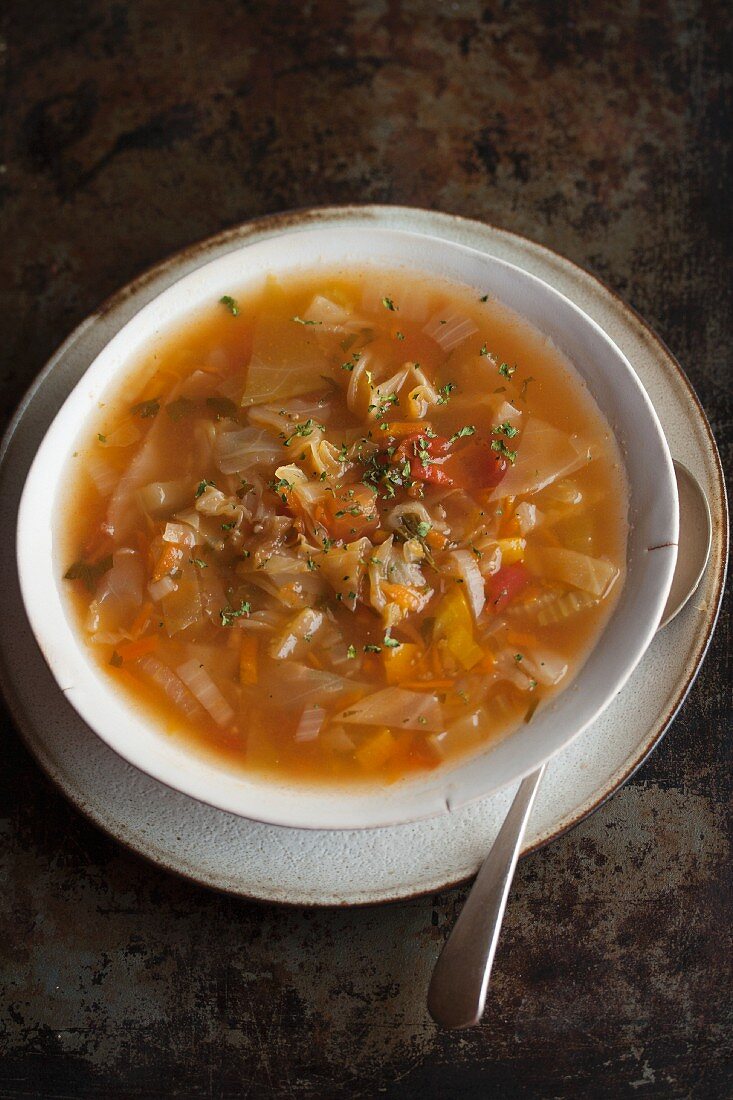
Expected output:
(457, 992)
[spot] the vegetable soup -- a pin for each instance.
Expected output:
(346, 527)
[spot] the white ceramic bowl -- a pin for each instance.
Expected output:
(653, 516)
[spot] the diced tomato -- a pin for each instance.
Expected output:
(350, 512)
(426, 457)
(505, 585)
(476, 466)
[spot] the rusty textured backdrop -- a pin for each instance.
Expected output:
(601, 129)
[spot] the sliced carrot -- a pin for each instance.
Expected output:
(435, 540)
(428, 685)
(130, 651)
(408, 427)
(167, 562)
(248, 659)
(403, 596)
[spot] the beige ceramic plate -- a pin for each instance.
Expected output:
(307, 867)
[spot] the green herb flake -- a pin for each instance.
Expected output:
(506, 370)
(389, 304)
(88, 572)
(300, 321)
(199, 563)
(351, 363)
(444, 393)
(351, 653)
(228, 526)
(230, 304)
(202, 487)
(484, 350)
(391, 643)
(399, 336)
(500, 446)
(484, 298)
(115, 660)
(372, 649)
(422, 719)
(518, 657)
(505, 428)
(467, 430)
(229, 614)
(101, 438)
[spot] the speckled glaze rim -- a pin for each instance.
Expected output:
(303, 218)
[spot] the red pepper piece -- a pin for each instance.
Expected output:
(505, 585)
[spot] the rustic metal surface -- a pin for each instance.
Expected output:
(599, 129)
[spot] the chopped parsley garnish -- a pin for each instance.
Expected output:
(223, 407)
(500, 446)
(422, 719)
(182, 406)
(202, 487)
(88, 572)
(300, 321)
(506, 370)
(444, 392)
(484, 350)
(101, 438)
(389, 304)
(372, 649)
(351, 652)
(391, 643)
(281, 486)
(484, 298)
(351, 363)
(518, 657)
(115, 660)
(399, 336)
(468, 429)
(228, 526)
(146, 409)
(244, 488)
(423, 529)
(231, 304)
(303, 430)
(532, 685)
(505, 428)
(478, 553)
(199, 563)
(229, 614)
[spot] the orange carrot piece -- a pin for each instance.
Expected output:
(130, 651)
(248, 659)
(167, 561)
(408, 427)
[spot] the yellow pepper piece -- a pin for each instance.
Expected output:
(399, 663)
(512, 550)
(377, 750)
(454, 623)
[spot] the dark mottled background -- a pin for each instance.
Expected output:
(601, 129)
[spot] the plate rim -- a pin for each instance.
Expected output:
(298, 218)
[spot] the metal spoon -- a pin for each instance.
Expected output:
(457, 992)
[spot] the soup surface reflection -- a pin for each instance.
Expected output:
(347, 527)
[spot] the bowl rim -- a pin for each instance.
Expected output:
(34, 598)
